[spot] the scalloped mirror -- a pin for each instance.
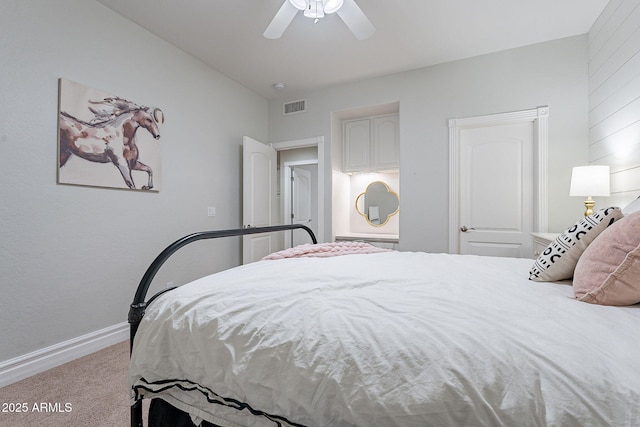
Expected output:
(378, 203)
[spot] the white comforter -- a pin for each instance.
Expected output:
(389, 339)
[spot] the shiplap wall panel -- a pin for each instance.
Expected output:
(620, 199)
(607, 107)
(615, 60)
(614, 35)
(623, 180)
(624, 116)
(614, 96)
(623, 146)
(596, 35)
(614, 83)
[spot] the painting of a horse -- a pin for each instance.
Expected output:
(106, 132)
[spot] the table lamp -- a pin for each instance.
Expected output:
(588, 181)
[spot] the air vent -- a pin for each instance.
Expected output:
(293, 107)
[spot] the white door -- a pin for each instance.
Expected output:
(259, 172)
(496, 190)
(300, 193)
(498, 182)
(301, 202)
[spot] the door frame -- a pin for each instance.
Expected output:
(540, 118)
(303, 143)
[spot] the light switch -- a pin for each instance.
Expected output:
(211, 211)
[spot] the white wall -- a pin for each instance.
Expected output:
(70, 256)
(614, 97)
(552, 73)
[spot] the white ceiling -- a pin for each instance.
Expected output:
(227, 35)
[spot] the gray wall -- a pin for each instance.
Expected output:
(552, 73)
(614, 97)
(71, 257)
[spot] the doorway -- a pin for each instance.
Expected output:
(497, 182)
(297, 154)
(261, 195)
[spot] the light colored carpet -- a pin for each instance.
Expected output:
(90, 391)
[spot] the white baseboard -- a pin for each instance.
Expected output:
(22, 367)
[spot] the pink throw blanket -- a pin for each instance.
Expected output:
(327, 250)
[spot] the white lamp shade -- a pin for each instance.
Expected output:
(590, 181)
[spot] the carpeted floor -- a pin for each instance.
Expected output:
(90, 391)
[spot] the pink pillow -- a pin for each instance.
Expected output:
(608, 272)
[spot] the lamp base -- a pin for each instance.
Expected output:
(589, 204)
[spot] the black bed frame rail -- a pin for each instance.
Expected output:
(138, 306)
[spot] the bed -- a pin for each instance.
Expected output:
(383, 339)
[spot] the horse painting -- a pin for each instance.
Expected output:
(110, 136)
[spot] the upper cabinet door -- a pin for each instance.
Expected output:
(357, 156)
(371, 144)
(385, 147)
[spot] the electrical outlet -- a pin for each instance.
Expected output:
(211, 211)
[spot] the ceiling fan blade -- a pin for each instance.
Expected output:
(281, 21)
(356, 20)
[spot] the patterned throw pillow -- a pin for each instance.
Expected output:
(559, 259)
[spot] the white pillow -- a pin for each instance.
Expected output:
(559, 259)
(632, 207)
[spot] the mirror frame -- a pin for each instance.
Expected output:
(366, 217)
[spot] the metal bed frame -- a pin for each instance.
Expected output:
(138, 306)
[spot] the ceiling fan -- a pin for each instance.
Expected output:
(347, 10)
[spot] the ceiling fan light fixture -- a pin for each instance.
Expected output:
(315, 9)
(348, 11)
(299, 4)
(332, 6)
